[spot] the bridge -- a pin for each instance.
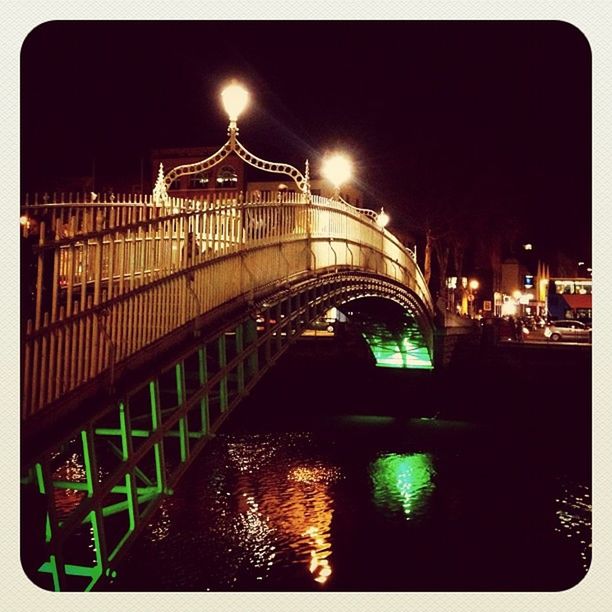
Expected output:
(152, 317)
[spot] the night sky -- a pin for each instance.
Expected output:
(492, 114)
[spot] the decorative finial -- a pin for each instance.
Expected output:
(160, 194)
(307, 177)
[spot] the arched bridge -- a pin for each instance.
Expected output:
(150, 319)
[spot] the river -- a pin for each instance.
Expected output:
(337, 475)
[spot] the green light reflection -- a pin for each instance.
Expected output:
(403, 483)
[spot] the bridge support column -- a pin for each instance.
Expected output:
(240, 366)
(203, 379)
(156, 421)
(222, 350)
(182, 423)
(278, 315)
(252, 360)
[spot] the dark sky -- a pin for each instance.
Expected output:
(497, 112)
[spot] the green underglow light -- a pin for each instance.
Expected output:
(123, 431)
(130, 499)
(153, 399)
(406, 352)
(180, 390)
(47, 529)
(39, 478)
(54, 574)
(155, 423)
(87, 460)
(402, 483)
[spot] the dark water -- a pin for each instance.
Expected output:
(335, 475)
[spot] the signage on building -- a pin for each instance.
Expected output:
(486, 305)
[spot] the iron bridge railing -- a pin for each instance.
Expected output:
(102, 280)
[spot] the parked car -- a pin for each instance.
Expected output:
(534, 322)
(568, 331)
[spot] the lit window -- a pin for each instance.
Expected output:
(227, 177)
(199, 180)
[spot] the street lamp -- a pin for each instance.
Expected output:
(337, 169)
(382, 219)
(473, 286)
(235, 99)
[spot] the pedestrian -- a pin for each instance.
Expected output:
(518, 329)
(189, 247)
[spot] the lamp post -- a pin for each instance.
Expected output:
(517, 295)
(473, 285)
(382, 219)
(235, 99)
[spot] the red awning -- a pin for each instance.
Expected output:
(578, 300)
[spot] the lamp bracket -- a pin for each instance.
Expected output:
(200, 166)
(233, 145)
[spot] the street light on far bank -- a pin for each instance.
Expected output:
(473, 287)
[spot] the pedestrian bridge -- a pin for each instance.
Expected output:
(151, 318)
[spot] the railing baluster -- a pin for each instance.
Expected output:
(59, 334)
(88, 350)
(39, 276)
(118, 330)
(75, 340)
(27, 366)
(44, 381)
(67, 341)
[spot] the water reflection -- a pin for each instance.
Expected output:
(403, 483)
(312, 519)
(160, 527)
(574, 518)
(70, 470)
(257, 514)
(274, 501)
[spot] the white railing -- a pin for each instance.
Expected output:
(108, 278)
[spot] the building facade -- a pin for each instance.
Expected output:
(522, 290)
